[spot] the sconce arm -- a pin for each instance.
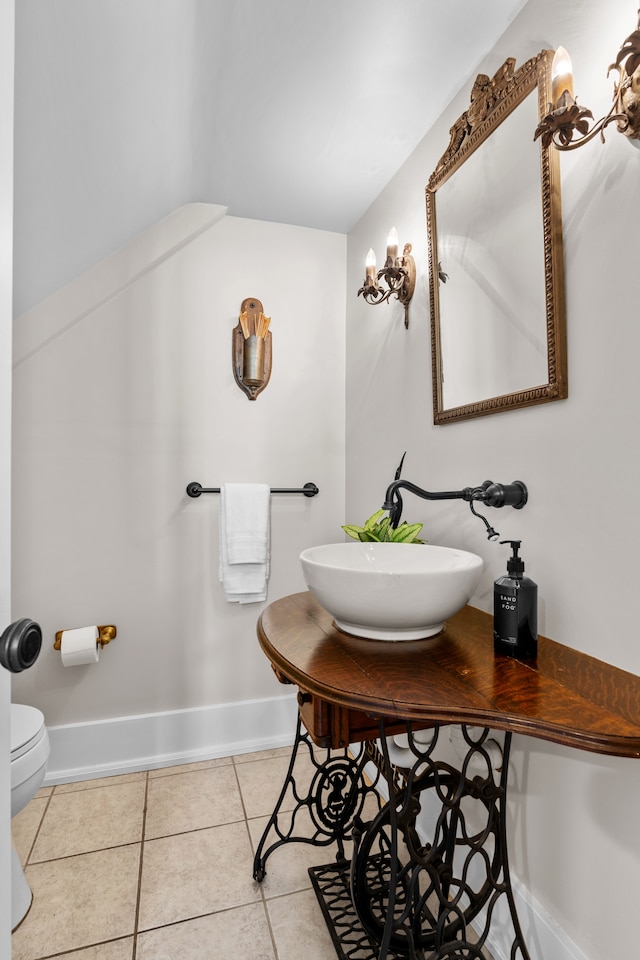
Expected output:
(561, 124)
(559, 127)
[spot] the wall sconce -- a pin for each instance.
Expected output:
(566, 117)
(399, 274)
(252, 348)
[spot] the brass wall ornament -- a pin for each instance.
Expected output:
(251, 348)
(566, 125)
(398, 273)
(487, 93)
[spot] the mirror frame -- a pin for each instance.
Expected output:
(501, 94)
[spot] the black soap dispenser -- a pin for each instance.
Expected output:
(515, 610)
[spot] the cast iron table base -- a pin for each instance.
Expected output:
(404, 895)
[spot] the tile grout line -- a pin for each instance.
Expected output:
(81, 786)
(253, 850)
(270, 928)
(37, 833)
(139, 888)
(73, 950)
(244, 809)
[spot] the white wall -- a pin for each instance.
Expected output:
(126, 110)
(118, 408)
(6, 264)
(107, 123)
(575, 839)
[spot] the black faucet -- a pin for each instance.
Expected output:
(491, 494)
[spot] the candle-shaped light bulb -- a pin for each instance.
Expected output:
(561, 76)
(370, 265)
(392, 244)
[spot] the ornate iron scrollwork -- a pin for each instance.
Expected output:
(421, 887)
(434, 896)
(322, 809)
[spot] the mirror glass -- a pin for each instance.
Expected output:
(496, 262)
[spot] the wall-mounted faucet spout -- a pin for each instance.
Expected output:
(492, 494)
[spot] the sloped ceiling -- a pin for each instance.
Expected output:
(283, 110)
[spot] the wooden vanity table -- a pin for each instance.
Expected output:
(414, 898)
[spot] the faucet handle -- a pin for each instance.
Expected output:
(399, 470)
(505, 494)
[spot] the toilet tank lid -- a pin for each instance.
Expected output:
(26, 723)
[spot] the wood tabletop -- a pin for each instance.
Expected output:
(455, 677)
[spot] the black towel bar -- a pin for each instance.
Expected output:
(194, 489)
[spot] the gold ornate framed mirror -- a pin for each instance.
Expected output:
(496, 266)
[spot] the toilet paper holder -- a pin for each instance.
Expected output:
(105, 635)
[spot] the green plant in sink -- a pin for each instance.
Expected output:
(378, 529)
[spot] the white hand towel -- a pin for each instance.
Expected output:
(243, 566)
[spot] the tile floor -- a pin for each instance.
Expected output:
(158, 866)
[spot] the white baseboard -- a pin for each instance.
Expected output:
(544, 937)
(104, 748)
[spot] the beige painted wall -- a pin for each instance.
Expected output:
(116, 415)
(575, 839)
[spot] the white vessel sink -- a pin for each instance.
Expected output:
(390, 591)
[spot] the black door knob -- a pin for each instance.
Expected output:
(20, 645)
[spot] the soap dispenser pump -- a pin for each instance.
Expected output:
(515, 610)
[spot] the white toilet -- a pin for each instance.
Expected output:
(29, 755)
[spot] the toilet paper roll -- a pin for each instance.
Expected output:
(79, 646)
